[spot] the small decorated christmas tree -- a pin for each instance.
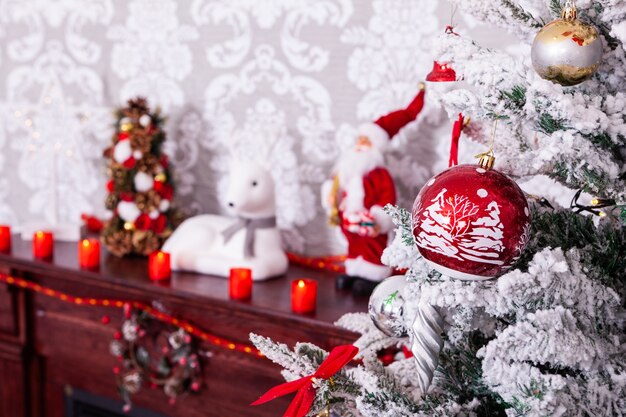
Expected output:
(140, 188)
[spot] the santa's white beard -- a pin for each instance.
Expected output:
(356, 163)
(352, 166)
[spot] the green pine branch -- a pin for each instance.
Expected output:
(602, 248)
(556, 8)
(402, 218)
(515, 99)
(548, 124)
(520, 14)
(460, 376)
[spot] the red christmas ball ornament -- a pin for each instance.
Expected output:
(143, 222)
(129, 163)
(158, 225)
(471, 222)
(441, 73)
(166, 191)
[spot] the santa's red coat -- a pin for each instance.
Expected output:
(378, 190)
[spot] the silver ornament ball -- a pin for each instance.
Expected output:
(386, 306)
(567, 51)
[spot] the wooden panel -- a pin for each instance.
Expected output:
(232, 379)
(12, 389)
(8, 325)
(13, 311)
(54, 398)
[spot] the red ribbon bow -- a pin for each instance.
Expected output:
(301, 404)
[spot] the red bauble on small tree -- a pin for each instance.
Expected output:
(471, 222)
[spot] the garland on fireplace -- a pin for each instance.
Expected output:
(137, 305)
(175, 368)
(154, 355)
(333, 263)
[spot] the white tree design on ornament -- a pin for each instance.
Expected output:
(446, 228)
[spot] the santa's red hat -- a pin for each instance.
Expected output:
(382, 130)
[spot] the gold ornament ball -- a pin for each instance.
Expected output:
(567, 51)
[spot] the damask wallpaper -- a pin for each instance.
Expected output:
(290, 78)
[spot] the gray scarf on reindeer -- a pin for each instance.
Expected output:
(250, 225)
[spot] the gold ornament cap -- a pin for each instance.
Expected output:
(324, 413)
(569, 12)
(486, 161)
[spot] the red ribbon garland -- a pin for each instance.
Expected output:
(333, 263)
(457, 128)
(305, 395)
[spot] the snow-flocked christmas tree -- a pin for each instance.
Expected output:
(547, 337)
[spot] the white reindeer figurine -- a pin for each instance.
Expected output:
(213, 244)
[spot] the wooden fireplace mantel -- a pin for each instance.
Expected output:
(49, 348)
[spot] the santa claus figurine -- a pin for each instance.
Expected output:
(356, 196)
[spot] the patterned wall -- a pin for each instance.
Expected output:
(289, 78)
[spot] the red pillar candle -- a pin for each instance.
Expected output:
(159, 266)
(303, 295)
(5, 239)
(240, 283)
(43, 245)
(89, 253)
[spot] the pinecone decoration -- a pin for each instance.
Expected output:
(137, 107)
(141, 140)
(119, 242)
(145, 242)
(148, 201)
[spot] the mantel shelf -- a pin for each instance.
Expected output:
(271, 296)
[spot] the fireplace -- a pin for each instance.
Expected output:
(83, 404)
